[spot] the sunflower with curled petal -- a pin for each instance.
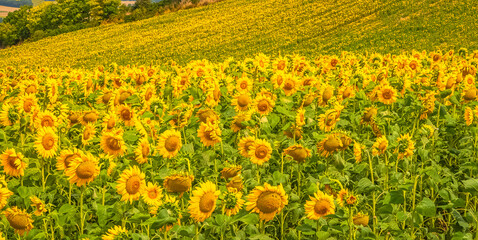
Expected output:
(5, 193)
(320, 205)
(27, 103)
(241, 102)
(83, 170)
(405, 146)
(245, 144)
(178, 183)
(66, 156)
(112, 143)
(203, 201)
(152, 194)
(126, 114)
(131, 184)
(13, 163)
(328, 120)
(142, 151)
(280, 64)
(46, 119)
(468, 116)
(90, 116)
(46, 143)
(278, 79)
(169, 143)
(263, 105)
(122, 94)
(209, 133)
(116, 232)
(267, 200)
(380, 146)
(232, 201)
(105, 97)
(300, 117)
(236, 124)
(8, 115)
(326, 93)
(260, 151)
(110, 121)
(19, 220)
(358, 151)
(329, 145)
(88, 134)
(369, 115)
(231, 171)
(38, 205)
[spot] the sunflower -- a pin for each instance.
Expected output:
(361, 219)
(387, 94)
(368, 115)
(4, 195)
(178, 183)
(230, 172)
(207, 115)
(244, 85)
(28, 103)
(278, 79)
(405, 146)
(125, 113)
(235, 182)
(131, 184)
(280, 64)
(169, 143)
(260, 151)
(267, 200)
(329, 145)
(244, 145)
(105, 97)
(379, 146)
(261, 61)
(122, 94)
(83, 169)
(358, 151)
(142, 151)
(152, 194)
(300, 117)
(298, 153)
(66, 156)
(209, 133)
(308, 99)
(203, 201)
(320, 205)
(468, 116)
(326, 93)
(180, 83)
(241, 102)
(8, 115)
(342, 196)
(74, 118)
(328, 120)
(88, 117)
(117, 232)
(38, 205)
(109, 122)
(88, 134)
(112, 143)
(232, 201)
(264, 104)
(236, 124)
(13, 163)
(19, 220)
(294, 132)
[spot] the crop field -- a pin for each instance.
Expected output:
(345, 146)
(4, 10)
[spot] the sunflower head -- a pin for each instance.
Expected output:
(131, 184)
(112, 143)
(19, 220)
(361, 219)
(178, 183)
(83, 169)
(116, 232)
(260, 151)
(153, 194)
(236, 183)
(230, 172)
(38, 205)
(298, 153)
(13, 163)
(329, 145)
(319, 205)
(267, 200)
(203, 201)
(232, 201)
(169, 143)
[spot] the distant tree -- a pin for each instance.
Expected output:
(8, 34)
(104, 9)
(142, 4)
(19, 19)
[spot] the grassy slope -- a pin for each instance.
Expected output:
(240, 28)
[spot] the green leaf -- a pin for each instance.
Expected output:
(102, 213)
(365, 186)
(250, 219)
(471, 186)
(426, 208)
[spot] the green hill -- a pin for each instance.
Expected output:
(243, 28)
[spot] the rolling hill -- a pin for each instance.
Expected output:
(243, 28)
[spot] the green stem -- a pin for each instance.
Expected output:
(82, 221)
(351, 224)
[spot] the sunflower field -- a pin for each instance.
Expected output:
(332, 147)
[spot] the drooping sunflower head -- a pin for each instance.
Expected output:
(328, 120)
(361, 219)
(88, 134)
(112, 143)
(230, 172)
(88, 117)
(329, 145)
(267, 200)
(38, 205)
(470, 93)
(405, 146)
(236, 183)
(236, 124)
(260, 151)
(13, 163)
(83, 170)
(368, 115)
(207, 115)
(298, 152)
(319, 205)
(244, 145)
(46, 142)
(203, 201)
(125, 114)
(169, 143)
(178, 183)
(358, 151)
(142, 151)
(8, 115)
(19, 220)
(131, 184)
